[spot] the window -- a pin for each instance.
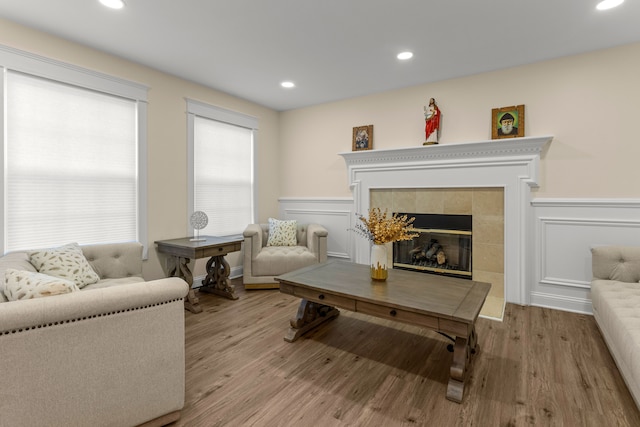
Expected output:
(74, 155)
(221, 147)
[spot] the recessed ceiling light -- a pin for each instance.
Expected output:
(113, 4)
(288, 85)
(405, 55)
(608, 4)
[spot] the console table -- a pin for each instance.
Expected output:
(182, 250)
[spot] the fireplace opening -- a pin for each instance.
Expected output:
(443, 245)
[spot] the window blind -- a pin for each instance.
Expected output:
(71, 165)
(223, 175)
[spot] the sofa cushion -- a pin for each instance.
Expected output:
(67, 262)
(282, 233)
(20, 284)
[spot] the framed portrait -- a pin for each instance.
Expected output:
(362, 138)
(507, 122)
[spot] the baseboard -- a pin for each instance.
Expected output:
(557, 302)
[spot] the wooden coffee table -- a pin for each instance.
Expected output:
(447, 305)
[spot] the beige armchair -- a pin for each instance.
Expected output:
(263, 263)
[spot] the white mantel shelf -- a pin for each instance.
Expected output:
(467, 150)
(511, 164)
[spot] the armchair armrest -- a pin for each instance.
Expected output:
(317, 241)
(252, 241)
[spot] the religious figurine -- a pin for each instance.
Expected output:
(432, 122)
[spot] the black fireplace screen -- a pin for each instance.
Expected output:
(443, 245)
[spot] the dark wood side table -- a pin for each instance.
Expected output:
(182, 250)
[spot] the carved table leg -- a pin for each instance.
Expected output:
(179, 268)
(217, 280)
(310, 314)
(463, 350)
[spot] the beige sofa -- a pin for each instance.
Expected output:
(615, 295)
(263, 263)
(111, 354)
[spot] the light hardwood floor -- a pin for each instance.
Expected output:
(538, 367)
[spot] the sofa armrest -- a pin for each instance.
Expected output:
(317, 241)
(119, 347)
(620, 263)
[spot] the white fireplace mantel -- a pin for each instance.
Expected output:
(512, 164)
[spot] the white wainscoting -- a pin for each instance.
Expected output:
(335, 214)
(564, 232)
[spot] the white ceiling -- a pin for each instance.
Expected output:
(331, 49)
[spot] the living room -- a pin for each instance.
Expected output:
(581, 191)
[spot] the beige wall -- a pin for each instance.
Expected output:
(167, 133)
(589, 103)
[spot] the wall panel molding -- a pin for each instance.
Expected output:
(564, 232)
(335, 214)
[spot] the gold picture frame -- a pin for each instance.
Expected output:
(362, 138)
(513, 126)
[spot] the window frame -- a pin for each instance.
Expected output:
(60, 72)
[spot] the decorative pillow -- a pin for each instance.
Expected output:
(20, 284)
(282, 233)
(67, 262)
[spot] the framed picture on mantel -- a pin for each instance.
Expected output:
(362, 138)
(507, 122)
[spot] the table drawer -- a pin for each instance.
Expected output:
(325, 298)
(397, 314)
(221, 250)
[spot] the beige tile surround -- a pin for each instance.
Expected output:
(486, 205)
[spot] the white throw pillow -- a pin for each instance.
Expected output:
(67, 262)
(282, 233)
(20, 284)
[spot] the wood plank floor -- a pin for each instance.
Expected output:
(538, 367)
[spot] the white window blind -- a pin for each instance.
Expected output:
(71, 165)
(222, 159)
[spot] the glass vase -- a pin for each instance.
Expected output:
(379, 262)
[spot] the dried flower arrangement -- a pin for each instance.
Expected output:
(381, 228)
